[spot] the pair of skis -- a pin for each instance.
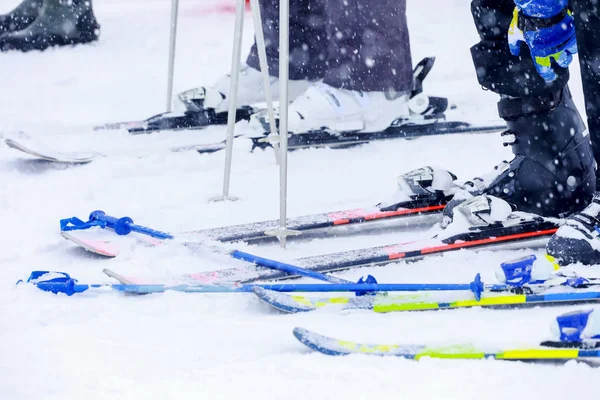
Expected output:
(431, 121)
(522, 231)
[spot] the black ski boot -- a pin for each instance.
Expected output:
(553, 171)
(578, 240)
(21, 17)
(60, 23)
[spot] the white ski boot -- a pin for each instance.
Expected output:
(323, 106)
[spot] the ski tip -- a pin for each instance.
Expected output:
(303, 335)
(322, 344)
(97, 247)
(284, 302)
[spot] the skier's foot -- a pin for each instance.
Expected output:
(59, 23)
(323, 106)
(21, 17)
(552, 173)
(250, 91)
(578, 240)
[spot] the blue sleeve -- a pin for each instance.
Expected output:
(541, 8)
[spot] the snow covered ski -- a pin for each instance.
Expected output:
(424, 201)
(384, 303)
(403, 129)
(557, 350)
(575, 336)
(336, 347)
(193, 118)
(409, 128)
(516, 230)
(42, 153)
(529, 234)
(522, 233)
(107, 243)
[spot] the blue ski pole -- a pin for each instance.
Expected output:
(289, 268)
(60, 282)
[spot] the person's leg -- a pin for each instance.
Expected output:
(308, 52)
(369, 79)
(578, 240)
(59, 23)
(308, 39)
(21, 17)
(369, 47)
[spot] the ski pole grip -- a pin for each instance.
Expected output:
(125, 225)
(120, 225)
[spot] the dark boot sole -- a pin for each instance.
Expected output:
(43, 43)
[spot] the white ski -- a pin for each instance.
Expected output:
(38, 150)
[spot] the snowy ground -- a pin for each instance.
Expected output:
(177, 346)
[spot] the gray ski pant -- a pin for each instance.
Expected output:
(350, 44)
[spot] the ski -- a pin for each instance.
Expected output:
(42, 152)
(190, 119)
(106, 243)
(336, 347)
(405, 129)
(409, 128)
(382, 303)
(310, 223)
(37, 151)
(534, 232)
(575, 333)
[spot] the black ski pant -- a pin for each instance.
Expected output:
(350, 44)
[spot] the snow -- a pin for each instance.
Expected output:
(178, 346)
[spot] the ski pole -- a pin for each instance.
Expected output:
(60, 282)
(172, 48)
(261, 49)
(284, 267)
(284, 66)
(236, 59)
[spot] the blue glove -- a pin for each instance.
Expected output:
(546, 26)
